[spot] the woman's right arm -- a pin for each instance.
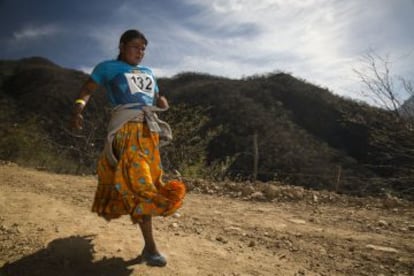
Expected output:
(87, 89)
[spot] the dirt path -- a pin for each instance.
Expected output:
(46, 228)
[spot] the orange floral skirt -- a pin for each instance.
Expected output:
(135, 187)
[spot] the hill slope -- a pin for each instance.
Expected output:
(295, 132)
(46, 228)
(408, 107)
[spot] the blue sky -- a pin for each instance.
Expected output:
(320, 41)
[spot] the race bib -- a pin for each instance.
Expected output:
(141, 83)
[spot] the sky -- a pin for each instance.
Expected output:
(320, 41)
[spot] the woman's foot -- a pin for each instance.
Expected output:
(153, 259)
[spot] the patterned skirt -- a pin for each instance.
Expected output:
(135, 187)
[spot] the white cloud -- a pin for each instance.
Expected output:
(318, 40)
(35, 32)
(236, 38)
(278, 28)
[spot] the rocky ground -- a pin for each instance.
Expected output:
(226, 228)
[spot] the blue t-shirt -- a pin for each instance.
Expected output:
(125, 83)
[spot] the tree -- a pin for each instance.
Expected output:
(391, 138)
(383, 88)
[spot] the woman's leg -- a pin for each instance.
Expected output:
(150, 254)
(146, 228)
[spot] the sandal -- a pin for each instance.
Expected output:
(153, 259)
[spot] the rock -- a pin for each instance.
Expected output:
(297, 221)
(271, 192)
(391, 201)
(174, 225)
(221, 239)
(382, 248)
(177, 215)
(231, 186)
(298, 193)
(247, 190)
(257, 196)
(3, 228)
(233, 228)
(300, 272)
(189, 186)
(252, 244)
(411, 227)
(382, 223)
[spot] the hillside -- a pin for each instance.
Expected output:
(408, 107)
(297, 132)
(46, 228)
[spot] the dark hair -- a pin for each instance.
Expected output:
(129, 35)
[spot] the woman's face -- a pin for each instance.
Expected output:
(133, 51)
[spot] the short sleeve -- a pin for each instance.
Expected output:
(156, 89)
(98, 73)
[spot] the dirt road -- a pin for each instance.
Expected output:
(46, 228)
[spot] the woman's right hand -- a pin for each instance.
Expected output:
(76, 122)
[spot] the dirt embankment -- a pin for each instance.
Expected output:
(46, 228)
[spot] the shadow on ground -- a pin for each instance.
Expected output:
(67, 257)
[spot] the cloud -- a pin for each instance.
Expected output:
(32, 40)
(35, 32)
(246, 37)
(316, 40)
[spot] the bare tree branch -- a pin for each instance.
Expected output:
(379, 83)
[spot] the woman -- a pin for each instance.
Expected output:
(129, 169)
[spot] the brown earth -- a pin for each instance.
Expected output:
(46, 228)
